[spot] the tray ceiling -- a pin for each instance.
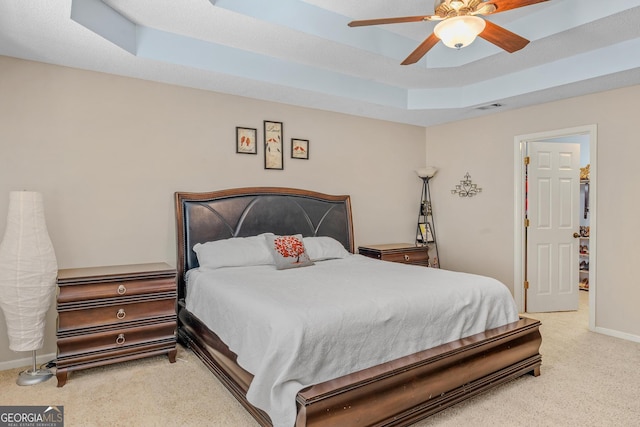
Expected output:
(303, 53)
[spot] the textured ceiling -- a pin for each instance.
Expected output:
(303, 53)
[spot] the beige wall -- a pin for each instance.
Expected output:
(108, 152)
(476, 234)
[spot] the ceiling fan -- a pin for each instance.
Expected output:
(460, 24)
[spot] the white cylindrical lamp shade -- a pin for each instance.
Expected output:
(28, 271)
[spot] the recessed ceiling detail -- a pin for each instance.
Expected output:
(304, 53)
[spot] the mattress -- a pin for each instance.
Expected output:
(298, 327)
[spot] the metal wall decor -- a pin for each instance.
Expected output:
(466, 188)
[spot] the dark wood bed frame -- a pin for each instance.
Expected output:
(396, 393)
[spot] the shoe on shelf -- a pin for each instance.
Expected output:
(584, 283)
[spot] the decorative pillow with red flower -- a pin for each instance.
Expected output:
(288, 251)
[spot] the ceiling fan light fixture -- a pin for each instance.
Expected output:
(459, 31)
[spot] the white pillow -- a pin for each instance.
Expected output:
(323, 247)
(234, 252)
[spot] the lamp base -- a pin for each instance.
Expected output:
(32, 377)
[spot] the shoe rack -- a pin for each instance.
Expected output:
(584, 234)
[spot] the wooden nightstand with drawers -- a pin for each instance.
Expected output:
(405, 253)
(113, 314)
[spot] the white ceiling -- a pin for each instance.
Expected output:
(303, 53)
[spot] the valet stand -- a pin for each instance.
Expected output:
(426, 231)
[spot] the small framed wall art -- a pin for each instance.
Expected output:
(273, 158)
(246, 140)
(299, 148)
(425, 234)
(429, 233)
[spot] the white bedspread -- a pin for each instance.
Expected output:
(298, 327)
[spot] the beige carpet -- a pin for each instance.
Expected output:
(587, 379)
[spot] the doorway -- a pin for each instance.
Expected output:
(520, 143)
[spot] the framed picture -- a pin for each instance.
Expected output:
(422, 233)
(273, 158)
(246, 140)
(299, 148)
(425, 233)
(429, 233)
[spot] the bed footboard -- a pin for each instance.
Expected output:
(396, 393)
(403, 391)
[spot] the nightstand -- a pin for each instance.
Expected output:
(406, 253)
(113, 314)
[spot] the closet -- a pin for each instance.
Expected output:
(584, 229)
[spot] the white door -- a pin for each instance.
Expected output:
(553, 211)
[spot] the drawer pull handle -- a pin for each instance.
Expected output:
(406, 257)
(120, 339)
(122, 289)
(121, 314)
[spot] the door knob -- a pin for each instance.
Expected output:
(576, 235)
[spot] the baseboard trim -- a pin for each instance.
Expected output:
(618, 334)
(26, 362)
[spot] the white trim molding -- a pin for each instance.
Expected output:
(519, 152)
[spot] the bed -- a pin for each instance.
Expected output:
(399, 391)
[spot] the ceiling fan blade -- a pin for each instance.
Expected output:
(389, 20)
(421, 50)
(502, 37)
(503, 5)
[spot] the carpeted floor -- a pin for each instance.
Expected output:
(587, 379)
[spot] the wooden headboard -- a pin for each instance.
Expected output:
(242, 212)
